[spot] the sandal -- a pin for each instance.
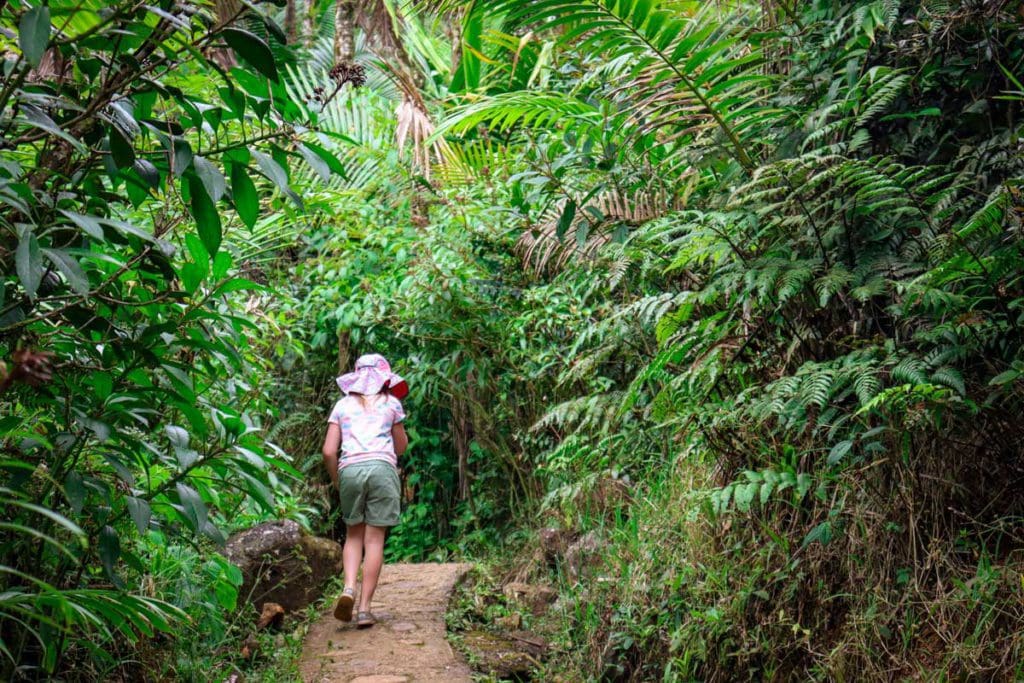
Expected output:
(343, 610)
(365, 620)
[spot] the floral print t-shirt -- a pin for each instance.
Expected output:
(366, 432)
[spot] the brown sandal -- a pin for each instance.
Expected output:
(343, 610)
(365, 620)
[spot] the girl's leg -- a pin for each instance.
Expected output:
(352, 555)
(373, 543)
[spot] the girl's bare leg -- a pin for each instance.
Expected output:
(373, 544)
(352, 555)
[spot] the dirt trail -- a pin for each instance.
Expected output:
(406, 646)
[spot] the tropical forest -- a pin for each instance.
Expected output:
(711, 314)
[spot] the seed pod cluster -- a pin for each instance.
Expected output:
(349, 72)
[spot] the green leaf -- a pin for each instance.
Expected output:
(213, 179)
(74, 490)
(205, 213)
(821, 533)
(565, 220)
(1005, 377)
(192, 275)
(140, 511)
(276, 174)
(148, 172)
(328, 158)
(193, 507)
(110, 553)
(34, 33)
(121, 149)
(237, 284)
(839, 451)
(29, 263)
(316, 163)
(252, 49)
(243, 192)
(221, 264)
(88, 224)
(227, 595)
(37, 118)
(70, 269)
(181, 156)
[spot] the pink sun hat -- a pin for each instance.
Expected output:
(372, 374)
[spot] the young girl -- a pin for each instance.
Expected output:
(366, 424)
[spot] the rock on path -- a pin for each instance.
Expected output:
(408, 643)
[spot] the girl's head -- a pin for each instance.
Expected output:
(372, 375)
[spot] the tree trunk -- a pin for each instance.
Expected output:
(344, 32)
(227, 12)
(291, 21)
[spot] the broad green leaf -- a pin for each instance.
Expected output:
(148, 172)
(29, 263)
(193, 506)
(243, 193)
(90, 225)
(227, 595)
(275, 173)
(34, 33)
(37, 118)
(205, 213)
(316, 163)
(237, 284)
(181, 156)
(110, 553)
(328, 158)
(221, 265)
(566, 219)
(121, 149)
(74, 490)
(839, 451)
(140, 511)
(213, 179)
(821, 533)
(69, 268)
(252, 49)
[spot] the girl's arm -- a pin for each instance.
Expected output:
(400, 438)
(332, 443)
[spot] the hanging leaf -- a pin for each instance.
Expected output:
(204, 211)
(243, 192)
(121, 149)
(34, 33)
(181, 157)
(192, 506)
(213, 179)
(88, 224)
(565, 220)
(37, 118)
(276, 174)
(839, 451)
(252, 49)
(316, 163)
(148, 172)
(29, 263)
(74, 490)
(141, 513)
(110, 553)
(69, 268)
(328, 158)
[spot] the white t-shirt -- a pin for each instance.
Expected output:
(366, 432)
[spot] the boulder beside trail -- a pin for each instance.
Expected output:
(281, 563)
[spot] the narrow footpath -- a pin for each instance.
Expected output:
(408, 643)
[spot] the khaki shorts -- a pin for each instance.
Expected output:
(370, 493)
